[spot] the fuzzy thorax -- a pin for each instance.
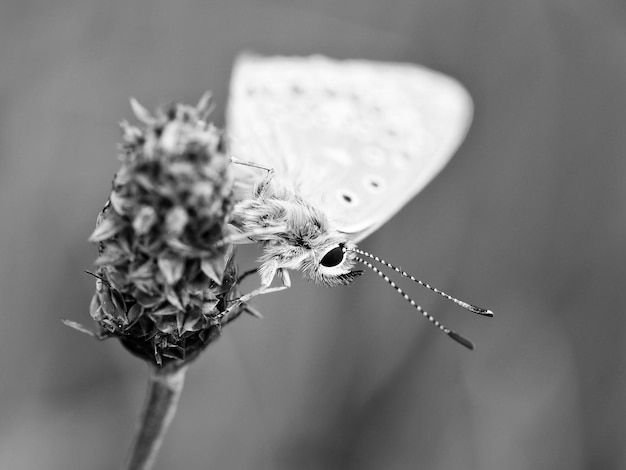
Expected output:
(295, 234)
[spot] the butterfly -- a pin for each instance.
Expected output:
(326, 151)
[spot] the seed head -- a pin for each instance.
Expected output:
(164, 286)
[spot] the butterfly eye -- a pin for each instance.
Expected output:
(333, 257)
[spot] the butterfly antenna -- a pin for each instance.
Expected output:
(465, 305)
(452, 334)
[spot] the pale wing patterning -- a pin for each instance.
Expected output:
(360, 138)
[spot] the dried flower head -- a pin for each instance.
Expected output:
(165, 284)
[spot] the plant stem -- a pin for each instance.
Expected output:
(164, 388)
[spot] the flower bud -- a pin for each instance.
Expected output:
(164, 282)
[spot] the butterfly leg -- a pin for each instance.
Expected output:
(237, 237)
(264, 185)
(266, 280)
(247, 163)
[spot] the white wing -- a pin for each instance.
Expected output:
(360, 138)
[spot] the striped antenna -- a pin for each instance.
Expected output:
(452, 334)
(465, 305)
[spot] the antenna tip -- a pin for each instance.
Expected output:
(474, 309)
(483, 311)
(461, 340)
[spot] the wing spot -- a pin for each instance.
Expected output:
(374, 184)
(347, 197)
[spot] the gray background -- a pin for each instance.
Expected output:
(527, 219)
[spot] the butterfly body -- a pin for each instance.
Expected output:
(294, 233)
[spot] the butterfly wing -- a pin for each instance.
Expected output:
(359, 138)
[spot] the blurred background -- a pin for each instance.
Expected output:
(527, 219)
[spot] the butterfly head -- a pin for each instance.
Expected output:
(331, 265)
